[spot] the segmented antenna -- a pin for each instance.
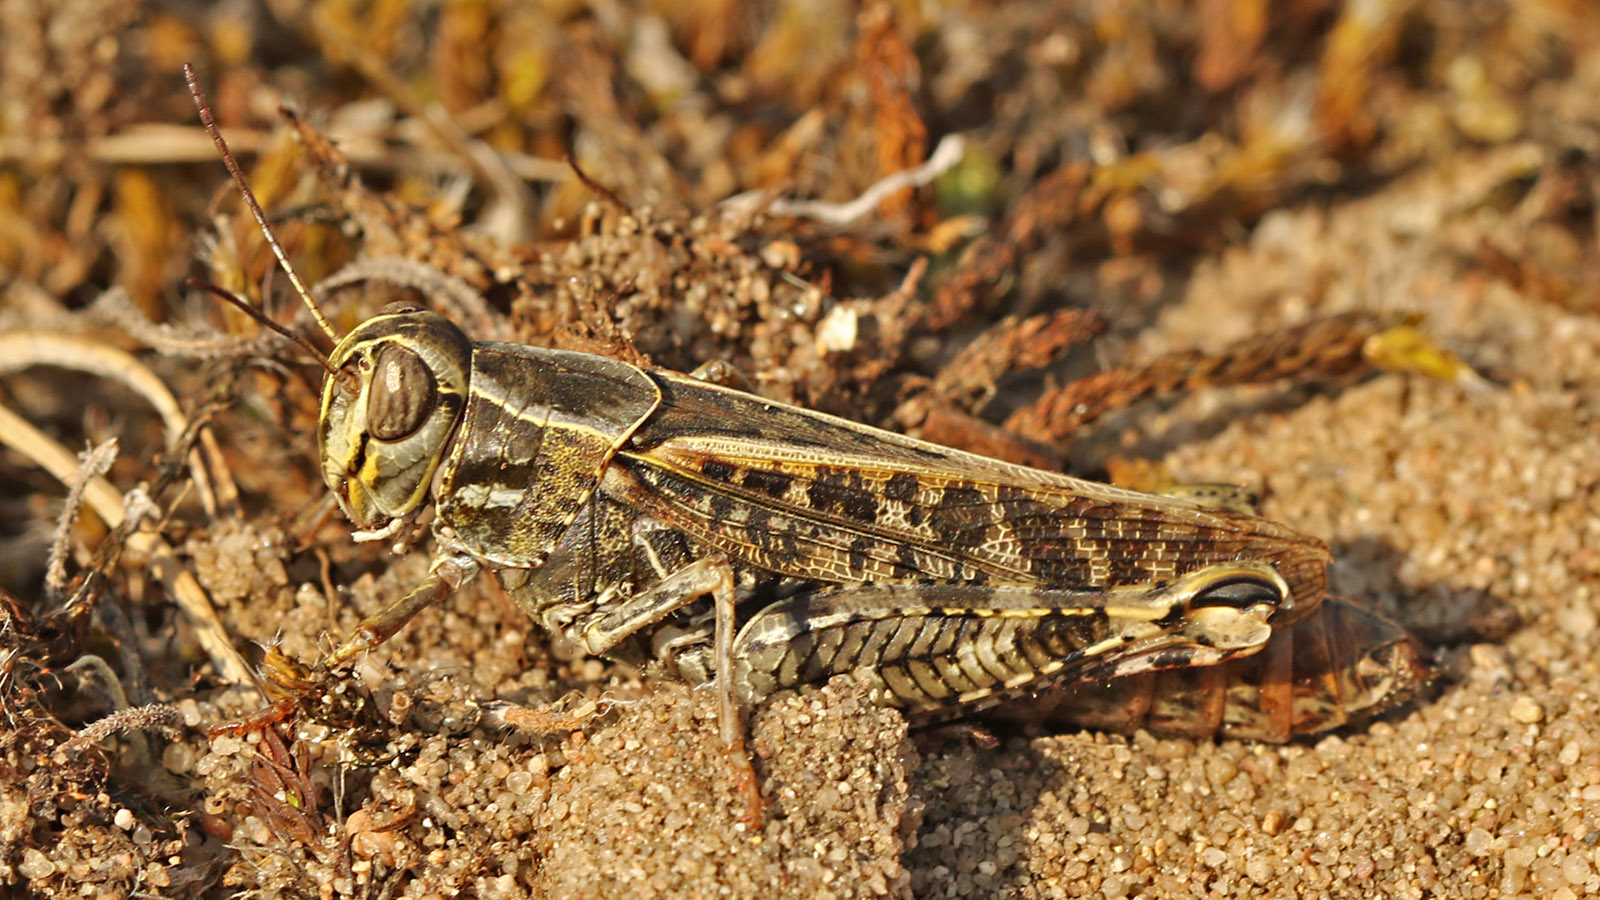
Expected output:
(263, 320)
(210, 124)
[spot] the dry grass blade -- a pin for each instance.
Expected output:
(943, 159)
(20, 435)
(156, 143)
(22, 349)
(945, 411)
(1054, 203)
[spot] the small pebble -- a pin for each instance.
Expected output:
(35, 865)
(1259, 870)
(1577, 620)
(1487, 656)
(1576, 869)
(1525, 710)
(178, 758)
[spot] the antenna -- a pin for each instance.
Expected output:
(263, 320)
(210, 124)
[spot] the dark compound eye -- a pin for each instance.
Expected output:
(403, 393)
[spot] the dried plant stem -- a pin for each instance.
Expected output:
(96, 462)
(942, 160)
(453, 296)
(115, 307)
(158, 143)
(156, 716)
(20, 435)
(1323, 348)
(22, 349)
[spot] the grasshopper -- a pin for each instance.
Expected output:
(709, 534)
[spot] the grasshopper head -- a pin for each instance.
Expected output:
(387, 417)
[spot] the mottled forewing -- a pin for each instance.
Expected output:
(813, 496)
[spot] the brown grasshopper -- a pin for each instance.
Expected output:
(719, 537)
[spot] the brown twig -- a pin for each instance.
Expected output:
(1322, 348)
(1050, 205)
(605, 193)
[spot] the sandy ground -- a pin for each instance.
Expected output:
(1447, 506)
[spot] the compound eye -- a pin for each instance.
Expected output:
(403, 393)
